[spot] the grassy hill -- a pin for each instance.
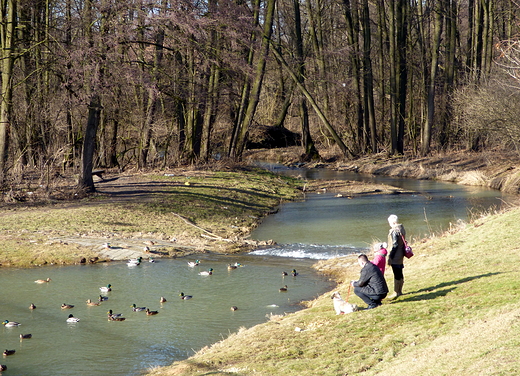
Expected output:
(460, 315)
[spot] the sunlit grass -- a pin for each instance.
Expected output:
(459, 316)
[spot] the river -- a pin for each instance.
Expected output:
(322, 226)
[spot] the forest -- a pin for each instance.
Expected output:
(154, 83)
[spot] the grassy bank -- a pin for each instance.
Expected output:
(459, 316)
(191, 210)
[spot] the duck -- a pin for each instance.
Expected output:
(193, 263)
(3, 367)
(137, 309)
(207, 272)
(283, 289)
(284, 274)
(112, 315)
(162, 300)
(32, 306)
(42, 280)
(234, 308)
(294, 273)
(185, 297)
(231, 266)
(102, 298)
(91, 303)
(25, 336)
(106, 288)
(151, 313)
(106, 245)
(66, 306)
(134, 262)
(8, 323)
(71, 318)
(8, 352)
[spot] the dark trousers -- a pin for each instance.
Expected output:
(371, 300)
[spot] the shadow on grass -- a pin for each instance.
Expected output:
(442, 289)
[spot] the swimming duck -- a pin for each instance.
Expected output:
(112, 315)
(137, 309)
(8, 352)
(102, 298)
(294, 273)
(284, 274)
(234, 308)
(66, 306)
(134, 262)
(193, 263)
(42, 280)
(207, 272)
(25, 336)
(3, 367)
(162, 300)
(283, 289)
(91, 303)
(71, 318)
(151, 313)
(32, 306)
(106, 288)
(185, 297)
(231, 266)
(8, 323)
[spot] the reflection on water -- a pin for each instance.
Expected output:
(325, 226)
(95, 346)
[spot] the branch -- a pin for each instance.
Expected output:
(211, 235)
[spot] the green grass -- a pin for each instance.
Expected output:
(460, 315)
(225, 204)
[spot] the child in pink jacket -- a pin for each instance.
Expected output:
(380, 253)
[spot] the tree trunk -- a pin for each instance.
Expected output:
(317, 109)
(257, 83)
(368, 80)
(434, 65)
(352, 20)
(308, 144)
(7, 29)
(89, 144)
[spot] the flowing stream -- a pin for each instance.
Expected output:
(322, 226)
(325, 226)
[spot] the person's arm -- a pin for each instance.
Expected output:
(395, 244)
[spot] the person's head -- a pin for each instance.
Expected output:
(362, 259)
(392, 220)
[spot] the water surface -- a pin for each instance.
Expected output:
(95, 346)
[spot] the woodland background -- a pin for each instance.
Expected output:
(149, 84)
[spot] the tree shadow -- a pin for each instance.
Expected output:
(441, 289)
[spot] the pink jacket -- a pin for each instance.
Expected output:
(380, 260)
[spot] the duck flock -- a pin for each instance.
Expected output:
(118, 317)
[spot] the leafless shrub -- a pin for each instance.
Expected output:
(486, 117)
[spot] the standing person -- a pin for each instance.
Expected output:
(380, 253)
(396, 256)
(371, 286)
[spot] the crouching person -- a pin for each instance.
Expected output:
(371, 286)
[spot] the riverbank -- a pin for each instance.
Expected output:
(496, 170)
(458, 316)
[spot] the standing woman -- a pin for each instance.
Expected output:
(396, 256)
